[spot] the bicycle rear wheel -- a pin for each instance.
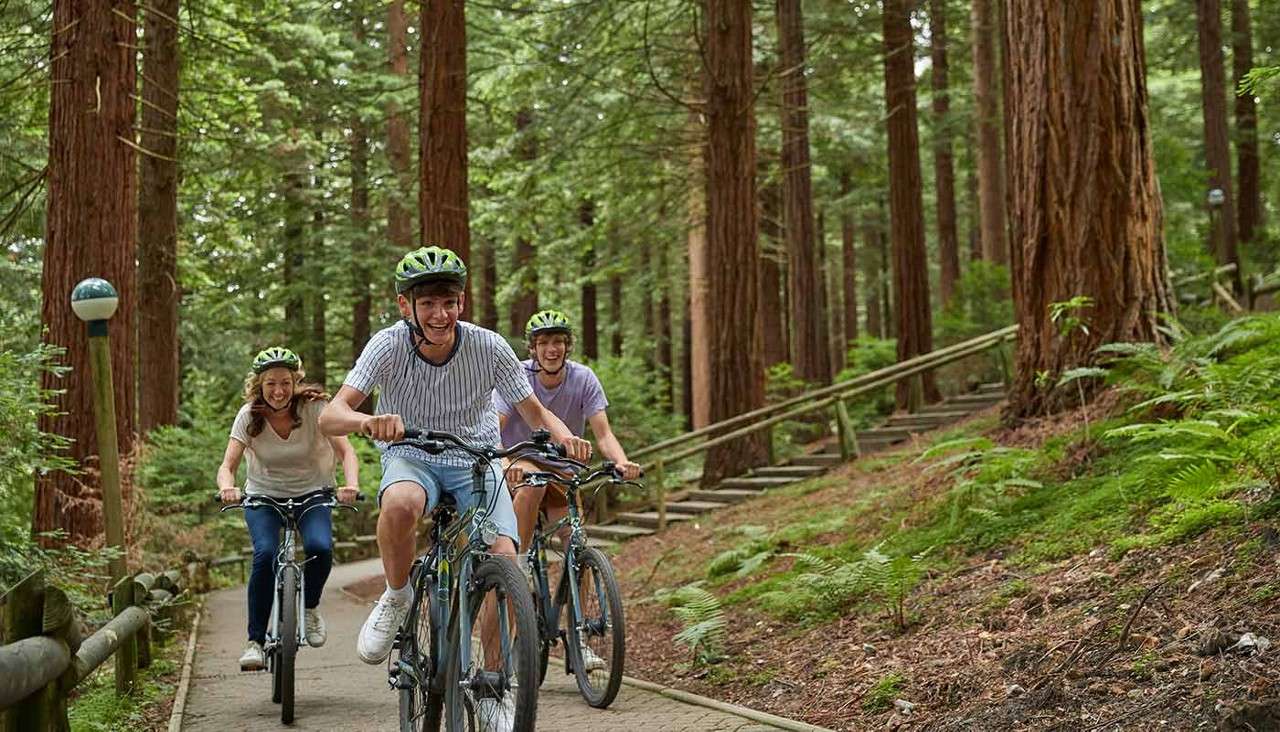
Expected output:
(596, 641)
(420, 705)
(500, 690)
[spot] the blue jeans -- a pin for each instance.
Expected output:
(265, 526)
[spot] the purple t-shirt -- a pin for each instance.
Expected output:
(579, 397)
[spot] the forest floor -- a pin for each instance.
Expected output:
(1013, 636)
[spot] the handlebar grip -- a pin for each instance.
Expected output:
(412, 433)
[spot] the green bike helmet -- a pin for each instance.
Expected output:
(276, 356)
(547, 321)
(426, 264)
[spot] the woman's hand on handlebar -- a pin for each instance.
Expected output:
(229, 495)
(383, 427)
(628, 470)
(347, 494)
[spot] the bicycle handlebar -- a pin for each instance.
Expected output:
(434, 443)
(329, 496)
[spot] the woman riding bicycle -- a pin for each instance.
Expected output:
(288, 458)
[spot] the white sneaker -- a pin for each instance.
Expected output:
(314, 625)
(379, 631)
(252, 658)
(497, 716)
(590, 661)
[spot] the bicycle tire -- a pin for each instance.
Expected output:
(273, 667)
(546, 636)
(495, 573)
(288, 649)
(420, 706)
(596, 694)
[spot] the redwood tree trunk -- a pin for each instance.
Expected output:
(1086, 205)
(361, 244)
(1217, 137)
(871, 274)
(590, 317)
(943, 172)
(804, 283)
(615, 311)
(442, 149)
(525, 302)
(158, 222)
(89, 232)
(664, 325)
(991, 201)
(906, 205)
(294, 261)
(1250, 198)
(736, 366)
(772, 253)
(399, 220)
(849, 259)
(488, 284)
(317, 353)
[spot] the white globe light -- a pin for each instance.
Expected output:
(94, 299)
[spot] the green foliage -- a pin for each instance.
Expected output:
(864, 356)
(703, 617)
(883, 692)
(824, 585)
(97, 708)
(639, 407)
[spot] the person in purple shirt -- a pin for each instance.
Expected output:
(573, 393)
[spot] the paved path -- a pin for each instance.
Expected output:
(337, 692)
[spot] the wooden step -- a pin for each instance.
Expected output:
(928, 421)
(968, 400)
(649, 519)
(756, 483)
(725, 495)
(818, 459)
(616, 532)
(694, 507)
(787, 471)
(994, 387)
(884, 434)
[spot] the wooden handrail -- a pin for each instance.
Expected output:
(938, 357)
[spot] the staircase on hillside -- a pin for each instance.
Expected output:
(688, 504)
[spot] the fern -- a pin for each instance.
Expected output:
(703, 618)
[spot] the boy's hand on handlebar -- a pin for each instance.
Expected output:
(576, 448)
(628, 470)
(229, 495)
(347, 494)
(383, 427)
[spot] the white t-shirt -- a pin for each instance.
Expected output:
(283, 468)
(453, 396)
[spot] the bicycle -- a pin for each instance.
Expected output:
(442, 672)
(286, 629)
(594, 620)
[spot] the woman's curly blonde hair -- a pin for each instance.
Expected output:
(302, 392)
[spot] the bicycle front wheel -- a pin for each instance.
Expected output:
(498, 688)
(420, 704)
(287, 651)
(596, 639)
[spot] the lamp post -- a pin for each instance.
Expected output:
(94, 301)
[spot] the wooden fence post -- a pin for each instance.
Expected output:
(24, 618)
(142, 584)
(127, 654)
(660, 493)
(602, 504)
(848, 437)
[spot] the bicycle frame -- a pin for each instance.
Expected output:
(287, 555)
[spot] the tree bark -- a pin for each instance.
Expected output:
(686, 368)
(158, 367)
(1246, 112)
(943, 167)
(700, 325)
(737, 369)
(317, 351)
(615, 311)
(871, 274)
(294, 261)
(489, 284)
(443, 201)
(90, 231)
(525, 302)
(664, 324)
(975, 213)
(1086, 207)
(590, 317)
(848, 234)
(906, 205)
(399, 220)
(1217, 136)
(361, 242)
(772, 310)
(991, 199)
(804, 283)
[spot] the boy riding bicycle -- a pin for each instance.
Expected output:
(574, 394)
(437, 373)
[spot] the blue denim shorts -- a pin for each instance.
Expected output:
(455, 482)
